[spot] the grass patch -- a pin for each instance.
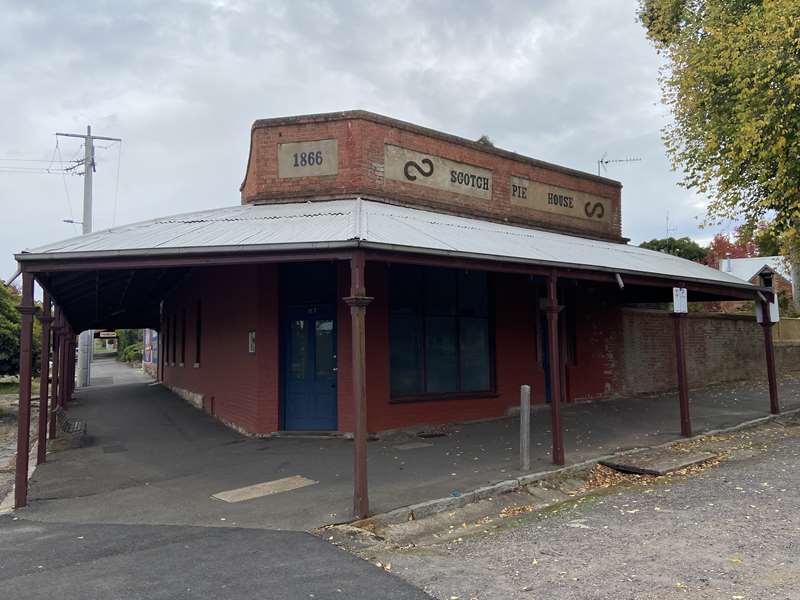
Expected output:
(12, 387)
(9, 387)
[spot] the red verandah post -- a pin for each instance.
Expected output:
(552, 310)
(358, 301)
(44, 379)
(683, 383)
(769, 348)
(27, 310)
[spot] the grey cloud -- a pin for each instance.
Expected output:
(181, 82)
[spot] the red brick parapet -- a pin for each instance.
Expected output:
(360, 153)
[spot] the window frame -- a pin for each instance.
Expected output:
(491, 391)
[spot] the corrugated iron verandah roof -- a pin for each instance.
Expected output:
(355, 222)
(118, 277)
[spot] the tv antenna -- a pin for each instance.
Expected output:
(604, 160)
(670, 229)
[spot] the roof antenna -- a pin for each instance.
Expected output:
(603, 161)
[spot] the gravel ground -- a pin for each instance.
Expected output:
(730, 532)
(9, 403)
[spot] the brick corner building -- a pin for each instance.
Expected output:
(380, 275)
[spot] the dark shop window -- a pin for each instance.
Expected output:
(440, 331)
(198, 331)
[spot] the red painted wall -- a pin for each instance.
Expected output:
(618, 351)
(238, 387)
(243, 389)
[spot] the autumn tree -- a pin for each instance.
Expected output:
(732, 82)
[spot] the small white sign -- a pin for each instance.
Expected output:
(680, 300)
(774, 311)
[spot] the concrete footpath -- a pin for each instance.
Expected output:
(153, 459)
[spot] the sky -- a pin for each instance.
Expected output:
(565, 81)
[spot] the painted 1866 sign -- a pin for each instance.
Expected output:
(552, 199)
(308, 159)
(414, 167)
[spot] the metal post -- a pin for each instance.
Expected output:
(769, 348)
(86, 338)
(683, 383)
(525, 427)
(57, 373)
(27, 309)
(552, 310)
(44, 379)
(358, 301)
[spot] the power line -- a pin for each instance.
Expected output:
(44, 160)
(66, 189)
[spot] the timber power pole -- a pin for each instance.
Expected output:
(86, 337)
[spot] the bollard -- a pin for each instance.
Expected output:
(525, 427)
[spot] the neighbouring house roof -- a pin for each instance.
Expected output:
(747, 268)
(364, 223)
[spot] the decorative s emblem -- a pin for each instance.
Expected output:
(594, 210)
(412, 165)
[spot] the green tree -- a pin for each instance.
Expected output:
(10, 326)
(683, 247)
(732, 82)
(9, 330)
(127, 338)
(763, 236)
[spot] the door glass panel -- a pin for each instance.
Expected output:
(325, 361)
(298, 349)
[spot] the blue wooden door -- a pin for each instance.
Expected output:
(309, 368)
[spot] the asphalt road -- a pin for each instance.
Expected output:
(729, 533)
(108, 562)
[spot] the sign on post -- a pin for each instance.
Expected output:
(773, 315)
(680, 300)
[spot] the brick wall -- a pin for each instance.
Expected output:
(235, 386)
(361, 138)
(720, 348)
